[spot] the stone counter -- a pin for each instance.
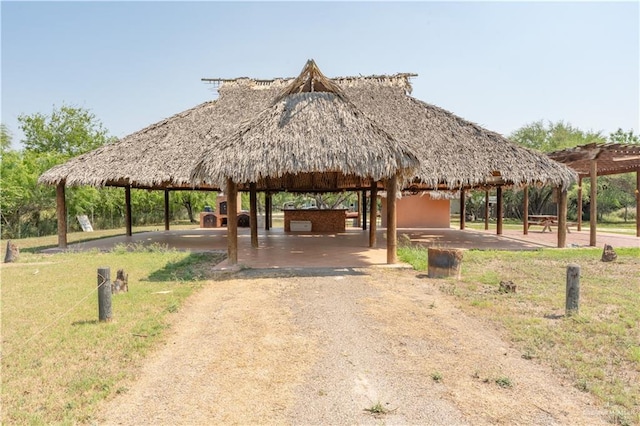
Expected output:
(321, 220)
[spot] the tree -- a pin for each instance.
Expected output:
(69, 131)
(553, 136)
(620, 136)
(5, 138)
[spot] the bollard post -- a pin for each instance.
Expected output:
(104, 294)
(573, 289)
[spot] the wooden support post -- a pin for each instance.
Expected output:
(104, 294)
(127, 211)
(638, 203)
(525, 211)
(232, 222)
(61, 212)
(572, 305)
(373, 214)
(486, 210)
(364, 210)
(562, 217)
(499, 210)
(267, 210)
(462, 209)
(166, 209)
(593, 207)
(253, 214)
(392, 237)
(579, 203)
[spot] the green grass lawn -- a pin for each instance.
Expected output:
(58, 361)
(625, 228)
(598, 349)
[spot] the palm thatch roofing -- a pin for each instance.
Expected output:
(452, 152)
(311, 137)
(611, 158)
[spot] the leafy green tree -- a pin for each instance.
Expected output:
(553, 136)
(5, 138)
(620, 136)
(68, 130)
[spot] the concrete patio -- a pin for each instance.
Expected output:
(278, 249)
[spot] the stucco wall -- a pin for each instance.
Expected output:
(416, 211)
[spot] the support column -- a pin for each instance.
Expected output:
(359, 221)
(127, 211)
(392, 237)
(61, 213)
(373, 214)
(562, 217)
(579, 213)
(499, 210)
(486, 210)
(462, 209)
(232, 222)
(637, 203)
(593, 207)
(525, 211)
(364, 210)
(267, 211)
(253, 214)
(166, 209)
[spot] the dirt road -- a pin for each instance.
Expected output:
(369, 346)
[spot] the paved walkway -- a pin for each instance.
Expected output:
(278, 249)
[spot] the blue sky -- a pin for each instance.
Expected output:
(499, 64)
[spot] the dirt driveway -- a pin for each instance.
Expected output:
(340, 346)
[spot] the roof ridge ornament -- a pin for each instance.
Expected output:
(310, 80)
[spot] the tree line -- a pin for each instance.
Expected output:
(28, 209)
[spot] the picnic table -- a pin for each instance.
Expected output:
(546, 221)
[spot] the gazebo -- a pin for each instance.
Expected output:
(382, 134)
(593, 160)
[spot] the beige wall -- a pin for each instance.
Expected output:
(419, 211)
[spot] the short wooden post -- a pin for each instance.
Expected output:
(104, 294)
(11, 255)
(573, 289)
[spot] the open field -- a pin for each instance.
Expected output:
(599, 349)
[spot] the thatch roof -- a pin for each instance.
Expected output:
(611, 158)
(452, 152)
(311, 137)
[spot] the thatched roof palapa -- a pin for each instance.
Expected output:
(452, 152)
(313, 133)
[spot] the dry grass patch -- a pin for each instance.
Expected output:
(596, 349)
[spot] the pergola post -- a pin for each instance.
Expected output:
(166, 209)
(373, 214)
(562, 217)
(486, 210)
(127, 211)
(253, 214)
(232, 222)
(462, 209)
(364, 210)
(637, 203)
(392, 238)
(499, 210)
(525, 211)
(593, 204)
(579, 213)
(61, 213)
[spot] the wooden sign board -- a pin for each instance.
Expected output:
(84, 223)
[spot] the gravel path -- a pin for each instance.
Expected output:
(371, 346)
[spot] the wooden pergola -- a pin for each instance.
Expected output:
(593, 160)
